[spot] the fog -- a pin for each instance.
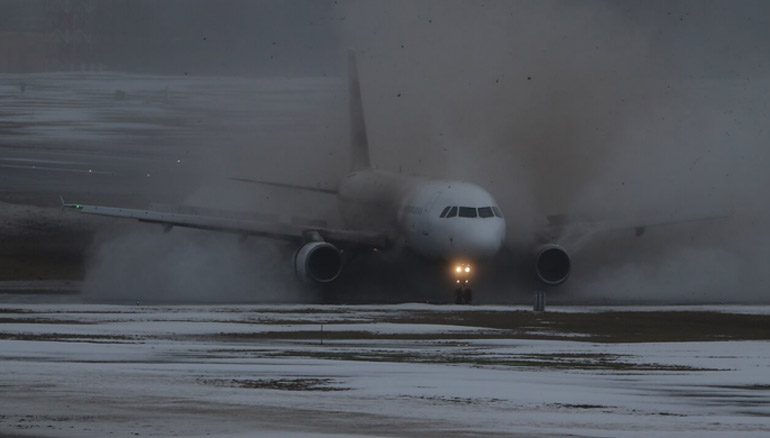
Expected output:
(577, 102)
(602, 111)
(607, 112)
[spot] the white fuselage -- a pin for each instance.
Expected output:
(449, 220)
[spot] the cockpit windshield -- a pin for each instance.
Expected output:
(467, 212)
(471, 212)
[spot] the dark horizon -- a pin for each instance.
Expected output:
(685, 39)
(195, 37)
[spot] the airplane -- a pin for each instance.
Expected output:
(456, 222)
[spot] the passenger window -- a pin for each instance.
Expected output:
(444, 212)
(485, 212)
(452, 212)
(497, 212)
(467, 212)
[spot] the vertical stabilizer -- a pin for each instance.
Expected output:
(359, 144)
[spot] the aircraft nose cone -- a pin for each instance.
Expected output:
(480, 242)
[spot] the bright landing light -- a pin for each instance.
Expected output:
(462, 269)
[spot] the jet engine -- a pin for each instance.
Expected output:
(552, 264)
(320, 262)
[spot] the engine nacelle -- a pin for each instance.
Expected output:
(552, 264)
(320, 262)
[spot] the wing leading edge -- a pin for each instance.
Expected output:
(286, 185)
(244, 227)
(576, 233)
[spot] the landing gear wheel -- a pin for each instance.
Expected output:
(459, 295)
(463, 295)
(467, 295)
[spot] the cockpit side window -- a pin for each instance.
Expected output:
(485, 212)
(497, 212)
(467, 212)
(452, 212)
(445, 211)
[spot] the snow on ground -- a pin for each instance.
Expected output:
(98, 107)
(229, 370)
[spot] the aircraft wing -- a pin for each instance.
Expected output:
(575, 233)
(286, 185)
(244, 227)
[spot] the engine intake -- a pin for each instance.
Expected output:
(318, 261)
(552, 264)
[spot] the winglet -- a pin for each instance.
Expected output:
(64, 204)
(359, 143)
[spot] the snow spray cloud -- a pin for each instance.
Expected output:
(188, 266)
(247, 92)
(599, 110)
(604, 110)
(230, 128)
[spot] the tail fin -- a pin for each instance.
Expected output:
(359, 144)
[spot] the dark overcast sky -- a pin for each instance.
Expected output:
(222, 37)
(196, 36)
(302, 37)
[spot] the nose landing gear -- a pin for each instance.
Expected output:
(463, 292)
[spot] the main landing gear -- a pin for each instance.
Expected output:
(463, 291)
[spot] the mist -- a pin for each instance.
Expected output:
(146, 266)
(601, 111)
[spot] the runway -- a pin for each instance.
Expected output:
(150, 141)
(411, 369)
(72, 368)
(132, 138)
(611, 129)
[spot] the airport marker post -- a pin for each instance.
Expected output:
(539, 301)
